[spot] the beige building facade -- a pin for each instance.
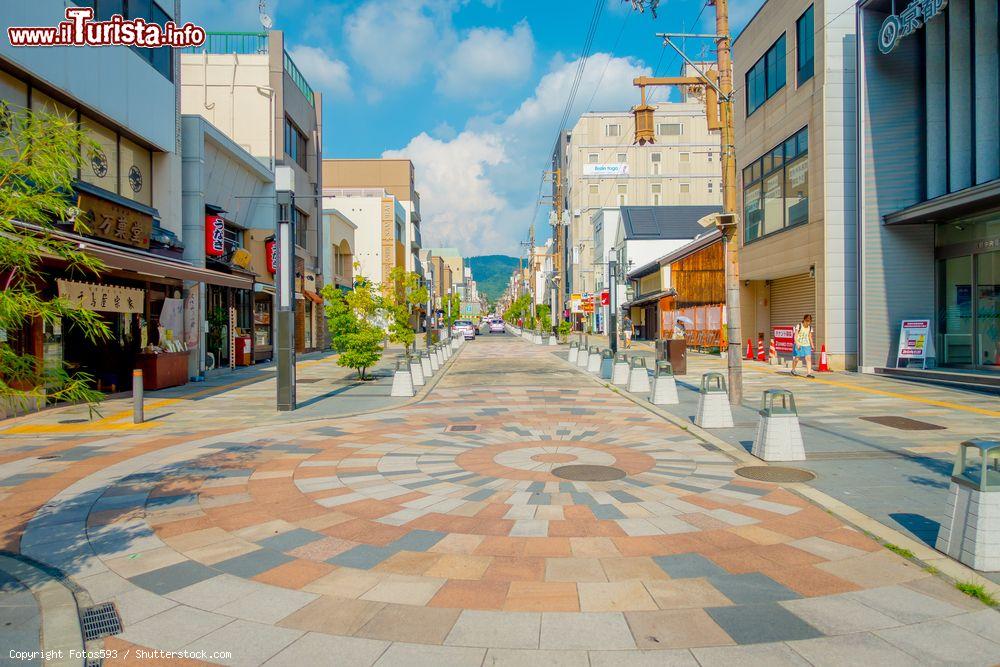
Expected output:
(396, 178)
(794, 69)
(603, 168)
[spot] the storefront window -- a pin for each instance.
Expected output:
(773, 209)
(752, 212)
(136, 173)
(797, 191)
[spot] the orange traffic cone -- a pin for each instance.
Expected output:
(824, 363)
(760, 350)
(749, 350)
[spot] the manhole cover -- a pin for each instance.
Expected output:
(100, 621)
(775, 474)
(903, 423)
(588, 473)
(73, 421)
(462, 428)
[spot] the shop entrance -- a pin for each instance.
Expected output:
(969, 293)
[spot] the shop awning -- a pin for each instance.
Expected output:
(655, 296)
(312, 296)
(145, 263)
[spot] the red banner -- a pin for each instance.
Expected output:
(215, 237)
(271, 251)
(605, 298)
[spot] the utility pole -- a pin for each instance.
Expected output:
(718, 87)
(557, 233)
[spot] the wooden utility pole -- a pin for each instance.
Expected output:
(730, 202)
(718, 85)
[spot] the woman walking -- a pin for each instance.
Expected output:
(627, 331)
(803, 345)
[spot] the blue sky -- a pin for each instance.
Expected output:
(471, 90)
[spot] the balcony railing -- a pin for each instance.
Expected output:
(240, 43)
(298, 79)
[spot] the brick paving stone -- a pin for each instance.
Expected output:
(851, 650)
(314, 648)
(574, 631)
(758, 623)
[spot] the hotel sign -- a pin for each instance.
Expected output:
(913, 17)
(605, 170)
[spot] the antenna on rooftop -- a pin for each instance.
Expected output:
(265, 19)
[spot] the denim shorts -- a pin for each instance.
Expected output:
(803, 351)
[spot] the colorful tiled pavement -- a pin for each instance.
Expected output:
(438, 534)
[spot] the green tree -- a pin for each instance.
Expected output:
(456, 309)
(401, 295)
(40, 156)
(354, 336)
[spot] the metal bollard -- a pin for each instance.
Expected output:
(137, 412)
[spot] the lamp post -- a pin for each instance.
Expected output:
(612, 302)
(430, 303)
(284, 180)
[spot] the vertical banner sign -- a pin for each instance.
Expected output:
(215, 236)
(915, 341)
(192, 312)
(232, 338)
(271, 251)
(784, 339)
(605, 298)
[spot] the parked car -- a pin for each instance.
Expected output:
(464, 327)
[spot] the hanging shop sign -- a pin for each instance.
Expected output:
(271, 252)
(915, 341)
(574, 303)
(192, 308)
(605, 298)
(113, 222)
(913, 17)
(241, 258)
(215, 236)
(103, 298)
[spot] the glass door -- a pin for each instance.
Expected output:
(988, 310)
(955, 316)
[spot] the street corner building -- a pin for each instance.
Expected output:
(929, 185)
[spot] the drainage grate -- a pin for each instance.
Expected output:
(462, 428)
(48, 457)
(100, 621)
(775, 474)
(903, 423)
(74, 421)
(588, 473)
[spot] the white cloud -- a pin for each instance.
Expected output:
(478, 189)
(459, 201)
(487, 58)
(323, 72)
(396, 41)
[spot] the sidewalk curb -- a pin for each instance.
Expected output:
(950, 568)
(57, 605)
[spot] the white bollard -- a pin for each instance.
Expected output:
(456, 342)
(969, 532)
(594, 359)
(434, 358)
(664, 390)
(417, 372)
(583, 358)
(574, 352)
(402, 381)
(425, 364)
(607, 364)
(553, 340)
(619, 374)
(779, 437)
(446, 351)
(638, 378)
(713, 403)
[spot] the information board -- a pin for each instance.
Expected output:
(916, 341)
(784, 339)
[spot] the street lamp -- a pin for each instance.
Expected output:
(430, 303)
(612, 302)
(284, 182)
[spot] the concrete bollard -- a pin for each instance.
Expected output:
(425, 364)
(638, 378)
(664, 391)
(402, 381)
(416, 372)
(619, 374)
(456, 342)
(594, 359)
(713, 403)
(583, 358)
(553, 340)
(138, 411)
(607, 364)
(446, 350)
(779, 437)
(574, 352)
(432, 355)
(971, 531)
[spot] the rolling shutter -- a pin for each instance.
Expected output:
(791, 298)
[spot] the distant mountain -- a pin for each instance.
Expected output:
(492, 273)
